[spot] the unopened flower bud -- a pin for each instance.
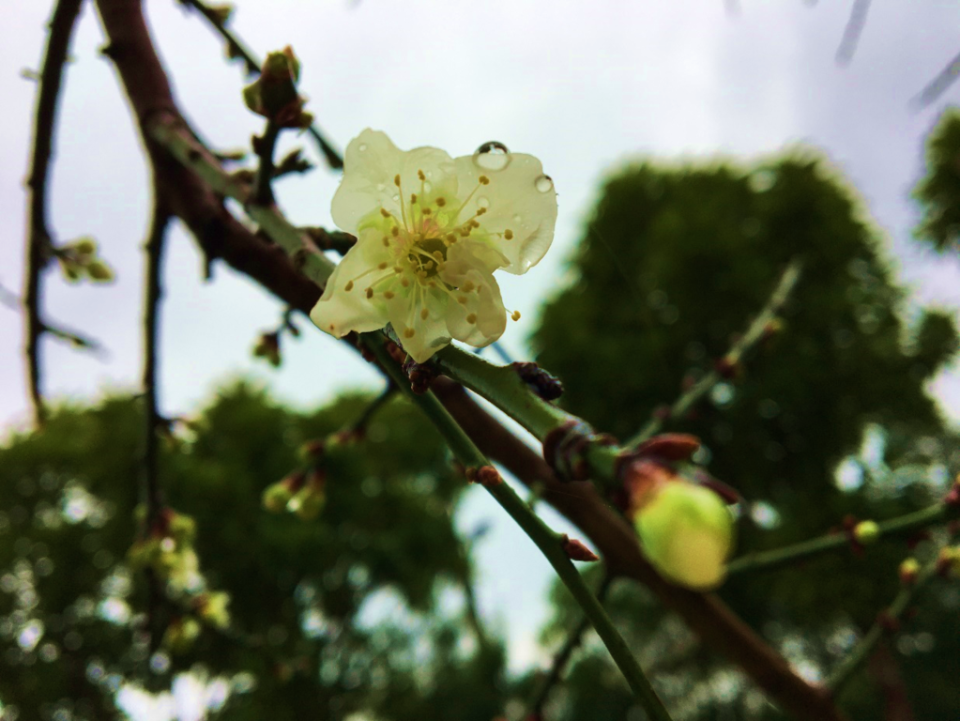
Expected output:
(866, 532)
(181, 634)
(212, 608)
(99, 271)
(309, 500)
(908, 571)
(687, 533)
(85, 246)
(276, 496)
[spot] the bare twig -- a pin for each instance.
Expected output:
(939, 85)
(359, 426)
(265, 145)
(754, 333)
(252, 64)
(564, 655)
(886, 623)
(851, 33)
(38, 234)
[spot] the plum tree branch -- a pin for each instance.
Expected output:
(754, 333)
(199, 205)
(38, 251)
(548, 541)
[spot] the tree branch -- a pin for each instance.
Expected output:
(899, 526)
(548, 541)
(38, 235)
(221, 235)
(754, 333)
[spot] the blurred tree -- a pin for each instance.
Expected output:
(72, 612)
(673, 264)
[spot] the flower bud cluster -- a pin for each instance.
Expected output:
(274, 94)
(268, 348)
(303, 491)
(79, 259)
(166, 548)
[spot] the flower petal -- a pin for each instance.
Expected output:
(519, 199)
(340, 311)
(430, 334)
(371, 164)
(476, 314)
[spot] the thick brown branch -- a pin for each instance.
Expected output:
(38, 235)
(221, 235)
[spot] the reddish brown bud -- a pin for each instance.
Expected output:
(641, 479)
(887, 622)
(669, 446)
(396, 352)
(488, 476)
(576, 550)
(728, 369)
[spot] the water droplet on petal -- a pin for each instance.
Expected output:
(427, 187)
(363, 147)
(396, 197)
(544, 183)
(492, 156)
(483, 202)
(517, 218)
(381, 187)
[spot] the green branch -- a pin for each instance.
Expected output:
(549, 542)
(747, 341)
(901, 525)
(862, 651)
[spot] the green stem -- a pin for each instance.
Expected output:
(766, 560)
(548, 541)
(749, 339)
(862, 651)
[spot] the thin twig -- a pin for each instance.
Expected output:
(38, 235)
(266, 145)
(564, 655)
(884, 624)
(744, 344)
(252, 65)
(152, 495)
(852, 32)
(359, 426)
(899, 526)
(548, 541)
(939, 85)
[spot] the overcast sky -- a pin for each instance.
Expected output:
(585, 86)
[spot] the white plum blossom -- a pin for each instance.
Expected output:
(431, 230)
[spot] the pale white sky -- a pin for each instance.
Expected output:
(582, 85)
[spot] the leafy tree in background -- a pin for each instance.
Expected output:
(107, 587)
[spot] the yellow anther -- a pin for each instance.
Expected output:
(468, 286)
(384, 212)
(441, 202)
(349, 286)
(421, 175)
(464, 232)
(451, 238)
(429, 265)
(395, 230)
(409, 333)
(386, 242)
(383, 266)
(369, 293)
(396, 180)
(481, 211)
(462, 299)
(474, 224)
(472, 318)
(508, 234)
(413, 198)
(397, 269)
(431, 284)
(515, 315)
(424, 314)
(405, 283)
(388, 295)
(484, 180)
(438, 255)
(427, 211)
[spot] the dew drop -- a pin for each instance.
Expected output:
(396, 197)
(544, 183)
(517, 218)
(483, 202)
(492, 156)
(381, 187)
(363, 147)
(427, 187)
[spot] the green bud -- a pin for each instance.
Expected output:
(252, 99)
(99, 271)
(181, 634)
(276, 497)
(85, 246)
(222, 13)
(212, 608)
(687, 534)
(866, 532)
(307, 503)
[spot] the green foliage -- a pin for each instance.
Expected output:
(673, 264)
(939, 191)
(298, 590)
